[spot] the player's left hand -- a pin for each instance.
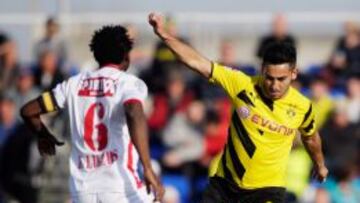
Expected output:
(321, 172)
(153, 182)
(47, 143)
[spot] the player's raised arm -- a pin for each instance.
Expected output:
(184, 52)
(139, 135)
(313, 147)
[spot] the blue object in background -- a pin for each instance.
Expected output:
(181, 183)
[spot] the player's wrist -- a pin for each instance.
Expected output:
(147, 168)
(163, 34)
(320, 165)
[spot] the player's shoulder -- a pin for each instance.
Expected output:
(130, 78)
(299, 99)
(130, 81)
(225, 69)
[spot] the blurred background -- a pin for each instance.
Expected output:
(44, 42)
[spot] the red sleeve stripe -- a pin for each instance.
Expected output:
(131, 101)
(130, 166)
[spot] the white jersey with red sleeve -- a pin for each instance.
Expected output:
(103, 159)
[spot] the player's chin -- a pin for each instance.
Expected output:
(275, 95)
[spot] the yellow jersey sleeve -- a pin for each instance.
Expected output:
(309, 124)
(232, 81)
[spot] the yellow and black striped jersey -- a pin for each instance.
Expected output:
(261, 131)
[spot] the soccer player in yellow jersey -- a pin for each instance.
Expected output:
(267, 114)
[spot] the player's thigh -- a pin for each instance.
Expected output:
(84, 198)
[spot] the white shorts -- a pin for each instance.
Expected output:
(139, 197)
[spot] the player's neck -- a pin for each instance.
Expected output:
(120, 67)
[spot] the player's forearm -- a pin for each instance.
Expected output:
(313, 147)
(139, 135)
(187, 55)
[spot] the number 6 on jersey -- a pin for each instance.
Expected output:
(99, 141)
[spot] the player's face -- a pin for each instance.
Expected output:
(277, 79)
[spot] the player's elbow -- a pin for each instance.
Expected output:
(311, 140)
(24, 112)
(29, 110)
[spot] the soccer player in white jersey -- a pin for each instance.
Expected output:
(105, 111)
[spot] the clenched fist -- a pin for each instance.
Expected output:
(157, 22)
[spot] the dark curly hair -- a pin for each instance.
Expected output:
(278, 53)
(110, 44)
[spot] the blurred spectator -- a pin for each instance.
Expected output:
(183, 136)
(164, 61)
(340, 132)
(24, 90)
(335, 70)
(321, 99)
(214, 137)
(228, 54)
(9, 65)
(352, 101)
(20, 166)
(350, 45)
(279, 33)
(216, 129)
(341, 187)
(176, 99)
(47, 73)
(7, 126)
(7, 118)
(349, 28)
(52, 41)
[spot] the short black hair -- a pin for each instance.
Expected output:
(110, 44)
(279, 53)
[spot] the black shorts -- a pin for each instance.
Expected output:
(220, 190)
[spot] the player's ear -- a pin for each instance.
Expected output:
(262, 69)
(294, 73)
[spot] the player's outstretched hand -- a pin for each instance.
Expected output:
(47, 143)
(157, 22)
(152, 182)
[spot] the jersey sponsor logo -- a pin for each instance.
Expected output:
(243, 112)
(97, 87)
(91, 162)
(271, 125)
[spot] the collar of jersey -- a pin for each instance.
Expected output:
(112, 65)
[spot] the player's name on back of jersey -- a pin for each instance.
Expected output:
(91, 162)
(97, 87)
